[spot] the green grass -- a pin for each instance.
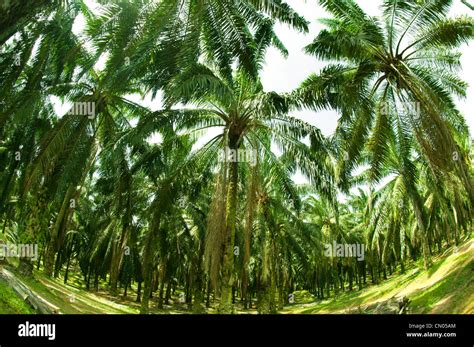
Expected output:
(450, 295)
(446, 287)
(10, 302)
(70, 299)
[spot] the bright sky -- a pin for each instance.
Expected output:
(284, 75)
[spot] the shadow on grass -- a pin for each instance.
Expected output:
(352, 300)
(451, 295)
(453, 292)
(435, 267)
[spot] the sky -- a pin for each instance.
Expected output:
(284, 75)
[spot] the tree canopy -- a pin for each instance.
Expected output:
(145, 201)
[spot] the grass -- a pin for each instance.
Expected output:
(10, 302)
(453, 294)
(447, 287)
(70, 299)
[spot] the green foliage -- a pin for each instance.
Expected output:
(140, 200)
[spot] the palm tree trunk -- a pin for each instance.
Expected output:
(424, 234)
(139, 292)
(208, 293)
(68, 264)
(117, 259)
(51, 249)
(225, 305)
(251, 206)
(168, 292)
(162, 284)
(147, 270)
(199, 286)
(114, 269)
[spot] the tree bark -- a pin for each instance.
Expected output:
(225, 304)
(52, 244)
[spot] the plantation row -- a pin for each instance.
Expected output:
(146, 201)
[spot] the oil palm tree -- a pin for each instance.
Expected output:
(249, 120)
(42, 53)
(16, 14)
(73, 145)
(404, 209)
(152, 41)
(407, 59)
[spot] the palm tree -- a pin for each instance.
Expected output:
(103, 89)
(249, 119)
(153, 41)
(169, 181)
(401, 73)
(199, 219)
(17, 13)
(73, 145)
(406, 59)
(42, 53)
(467, 4)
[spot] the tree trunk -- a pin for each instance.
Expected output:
(139, 292)
(424, 233)
(52, 244)
(147, 271)
(225, 305)
(66, 274)
(162, 285)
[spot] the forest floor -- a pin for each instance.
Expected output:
(447, 287)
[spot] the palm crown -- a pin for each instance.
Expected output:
(397, 68)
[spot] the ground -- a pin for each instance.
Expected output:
(10, 303)
(447, 287)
